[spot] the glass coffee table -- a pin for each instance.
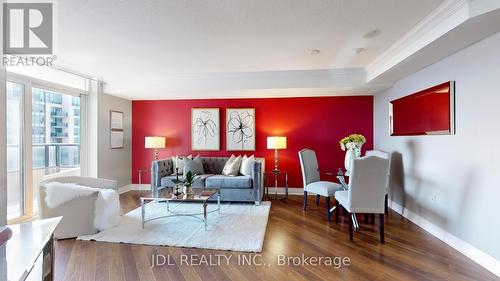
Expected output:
(166, 195)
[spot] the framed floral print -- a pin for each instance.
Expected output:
(205, 129)
(240, 129)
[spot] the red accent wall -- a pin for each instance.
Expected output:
(312, 122)
(424, 112)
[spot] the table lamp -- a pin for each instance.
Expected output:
(276, 143)
(155, 142)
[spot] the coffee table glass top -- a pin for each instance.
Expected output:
(199, 194)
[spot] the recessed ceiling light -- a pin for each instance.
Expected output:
(372, 33)
(360, 50)
(314, 52)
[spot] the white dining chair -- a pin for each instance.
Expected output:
(385, 155)
(366, 191)
(313, 183)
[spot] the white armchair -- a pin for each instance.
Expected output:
(366, 193)
(312, 181)
(79, 213)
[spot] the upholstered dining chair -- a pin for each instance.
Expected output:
(312, 181)
(385, 155)
(366, 191)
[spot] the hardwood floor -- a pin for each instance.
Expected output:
(409, 253)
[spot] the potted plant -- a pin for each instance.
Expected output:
(352, 143)
(188, 181)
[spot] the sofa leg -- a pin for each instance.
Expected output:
(327, 201)
(317, 200)
(305, 199)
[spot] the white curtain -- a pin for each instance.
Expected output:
(89, 150)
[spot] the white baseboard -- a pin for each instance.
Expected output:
(480, 257)
(129, 187)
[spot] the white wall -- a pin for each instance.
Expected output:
(115, 164)
(453, 181)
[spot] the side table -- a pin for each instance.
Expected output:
(278, 175)
(140, 171)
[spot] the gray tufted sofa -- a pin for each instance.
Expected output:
(233, 188)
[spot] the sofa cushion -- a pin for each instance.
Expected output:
(229, 181)
(167, 181)
(214, 165)
(194, 165)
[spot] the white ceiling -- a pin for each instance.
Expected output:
(139, 47)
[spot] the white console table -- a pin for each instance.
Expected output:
(29, 253)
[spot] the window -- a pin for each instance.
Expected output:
(54, 124)
(58, 151)
(15, 172)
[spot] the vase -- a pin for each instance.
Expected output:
(350, 154)
(357, 152)
(188, 191)
(353, 152)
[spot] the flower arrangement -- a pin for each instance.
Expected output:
(352, 141)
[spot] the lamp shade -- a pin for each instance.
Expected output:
(276, 142)
(155, 142)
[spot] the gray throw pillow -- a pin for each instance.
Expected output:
(194, 165)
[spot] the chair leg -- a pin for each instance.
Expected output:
(317, 200)
(372, 218)
(305, 199)
(367, 218)
(350, 228)
(381, 222)
(327, 202)
(337, 210)
(386, 204)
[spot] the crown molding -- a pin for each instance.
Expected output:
(443, 19)
(289, 83)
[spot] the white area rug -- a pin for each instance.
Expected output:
(239, 227)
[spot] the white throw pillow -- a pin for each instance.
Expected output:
(232, 167)
(247, 165)
(228, 164)
(178, 162)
